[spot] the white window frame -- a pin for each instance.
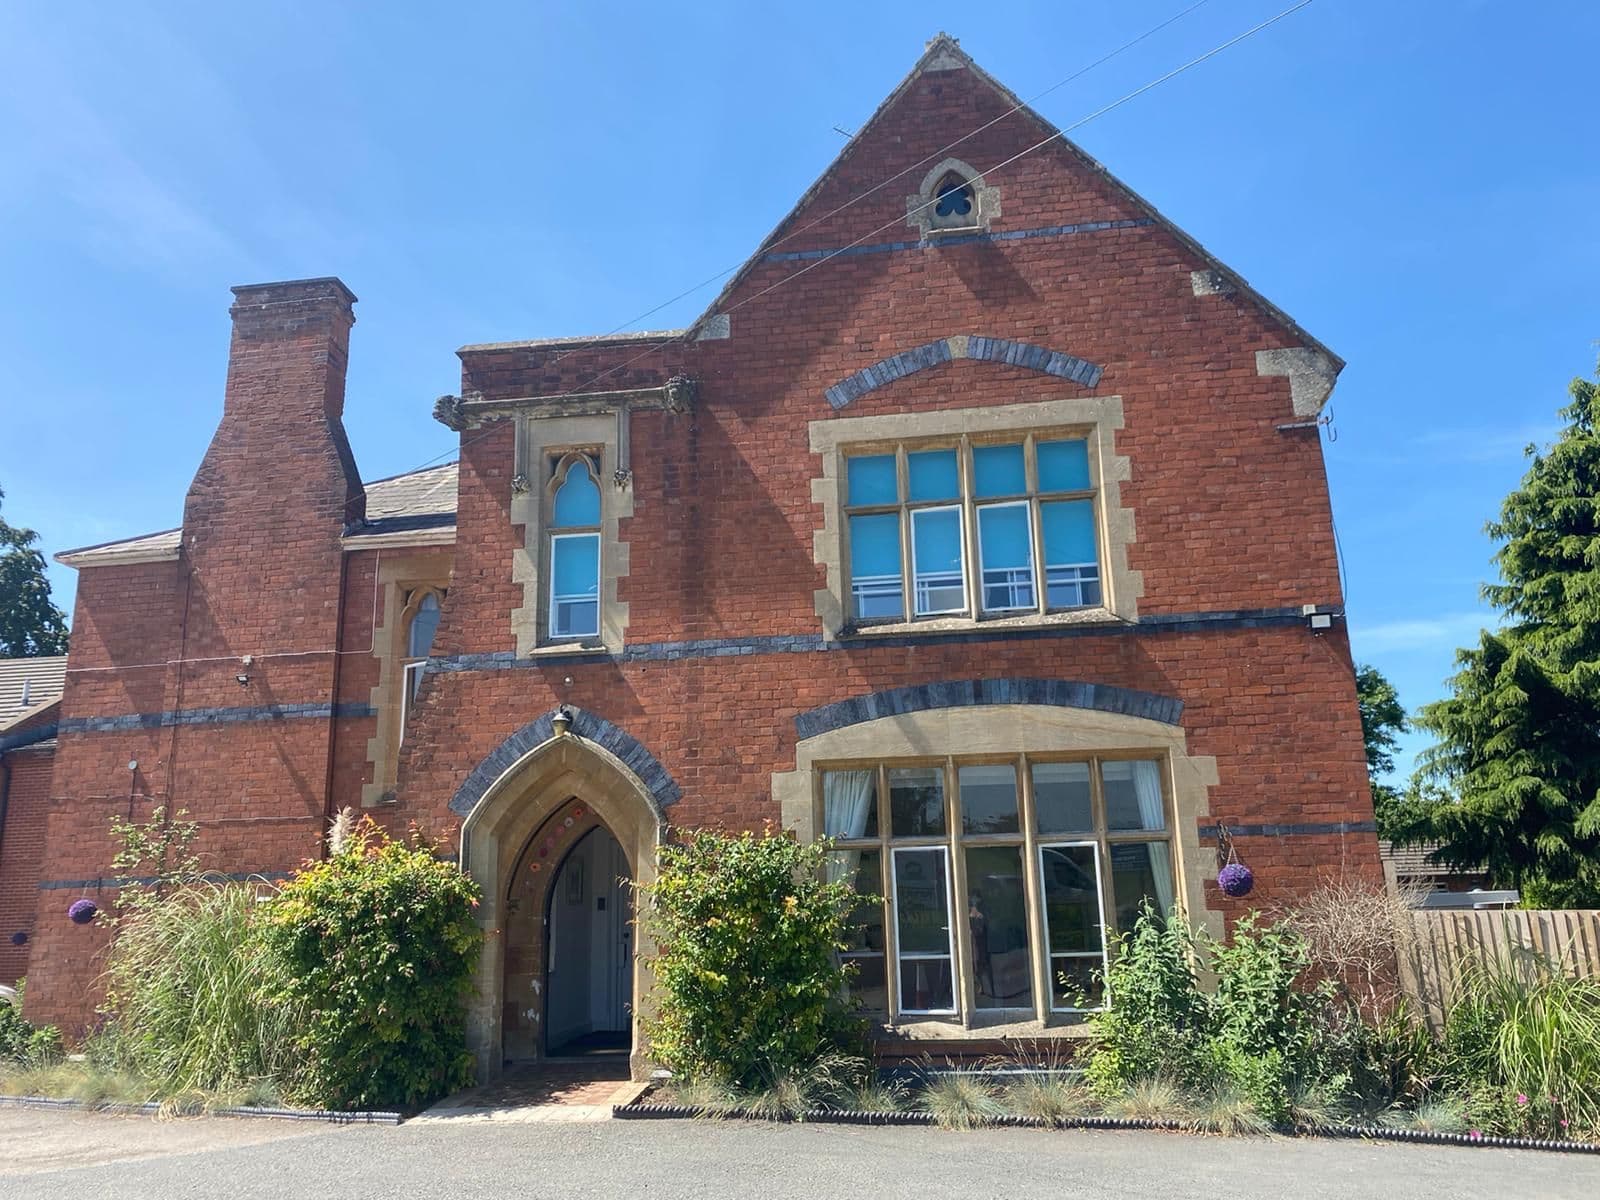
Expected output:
(1100, 907)
(557, 634)
(917, 587)
(1032, 583)
(949, 931)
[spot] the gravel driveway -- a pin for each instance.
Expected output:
(45, 1155)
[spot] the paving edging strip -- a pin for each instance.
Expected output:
(153, 1108)
(667, 1112)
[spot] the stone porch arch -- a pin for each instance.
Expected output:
(508, 799)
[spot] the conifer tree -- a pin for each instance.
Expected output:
(30, 624)
(1519, 739)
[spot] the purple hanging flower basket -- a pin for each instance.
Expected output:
(82, 911)
(1236, 880)
(19, 938)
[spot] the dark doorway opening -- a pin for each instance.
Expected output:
(589, 951)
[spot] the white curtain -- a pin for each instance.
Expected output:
(846, 803)
(1147, 789)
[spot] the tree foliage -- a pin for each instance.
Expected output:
(1383, 719)
(30, 624)
(1519, 737)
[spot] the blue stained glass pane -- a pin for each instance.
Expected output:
(875, 545)
(870, 480)
(875, 580)
(1003, 536)
(575, 566)
(937, 536)
(997, 471)
(1068, 532)
(577, 499)
(1064, 466)
(934, 475)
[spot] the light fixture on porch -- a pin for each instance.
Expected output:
(561, 720)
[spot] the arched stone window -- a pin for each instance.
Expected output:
(421, 625)
(952, 199)
(573, 608)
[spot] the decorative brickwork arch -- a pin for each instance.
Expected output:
(518, 800)
(963, 345)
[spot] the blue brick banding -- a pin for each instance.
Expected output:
(214, 716)
(986, 349)
(657, 780)
(117, 881)
(955, 239)
(815, 643)
(967, 693)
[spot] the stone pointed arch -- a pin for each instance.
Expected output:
(507, 799)
(963, 345)
(919, 206)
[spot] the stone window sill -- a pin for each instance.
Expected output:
(1078, 616)
(568, 650)
(1060, 1025)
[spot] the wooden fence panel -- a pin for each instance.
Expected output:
(1440, 941)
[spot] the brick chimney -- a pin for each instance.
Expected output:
(278, 485)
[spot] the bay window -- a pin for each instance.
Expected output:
(986, 528)
(1004, 880)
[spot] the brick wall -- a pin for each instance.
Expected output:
(25, 776)
(1232, 519)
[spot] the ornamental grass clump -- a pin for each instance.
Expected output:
(199, 1000)
(749, 984)
(1522, 1043)
(378, 944)
(962, 1099)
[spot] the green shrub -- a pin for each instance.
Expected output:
(379, 947)
(1522, 1042)
(24, 1043)
(749, 984)
(1158, 1017)
(1262, 1034)
(198, 1000)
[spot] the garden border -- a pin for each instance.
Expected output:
(152, 1108)
(638, 1111)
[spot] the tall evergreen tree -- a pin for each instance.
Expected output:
(1383, 719)
(30, 624)
(1519, 739)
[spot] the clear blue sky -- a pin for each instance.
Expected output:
(1416, 182)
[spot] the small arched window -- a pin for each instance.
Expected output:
(953, 198)
(574, 549)
(424, 624)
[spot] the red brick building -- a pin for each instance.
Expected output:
(980, 522)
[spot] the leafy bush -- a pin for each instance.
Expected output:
(199, 1001)
(379, 946)
(1522, 1042)
(25, 1043)
(749, 982)
(1261, 1034)
(1158, 1017)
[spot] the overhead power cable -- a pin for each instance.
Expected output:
(829, 256)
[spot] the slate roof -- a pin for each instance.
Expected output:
(397, 506)
(1413, 860)
(28, 684)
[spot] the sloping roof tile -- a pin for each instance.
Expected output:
(28, 683)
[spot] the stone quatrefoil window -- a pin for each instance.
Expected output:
(1004, 880)
(952, 199)
(998, 528)
(574, 572)
(955, 206)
